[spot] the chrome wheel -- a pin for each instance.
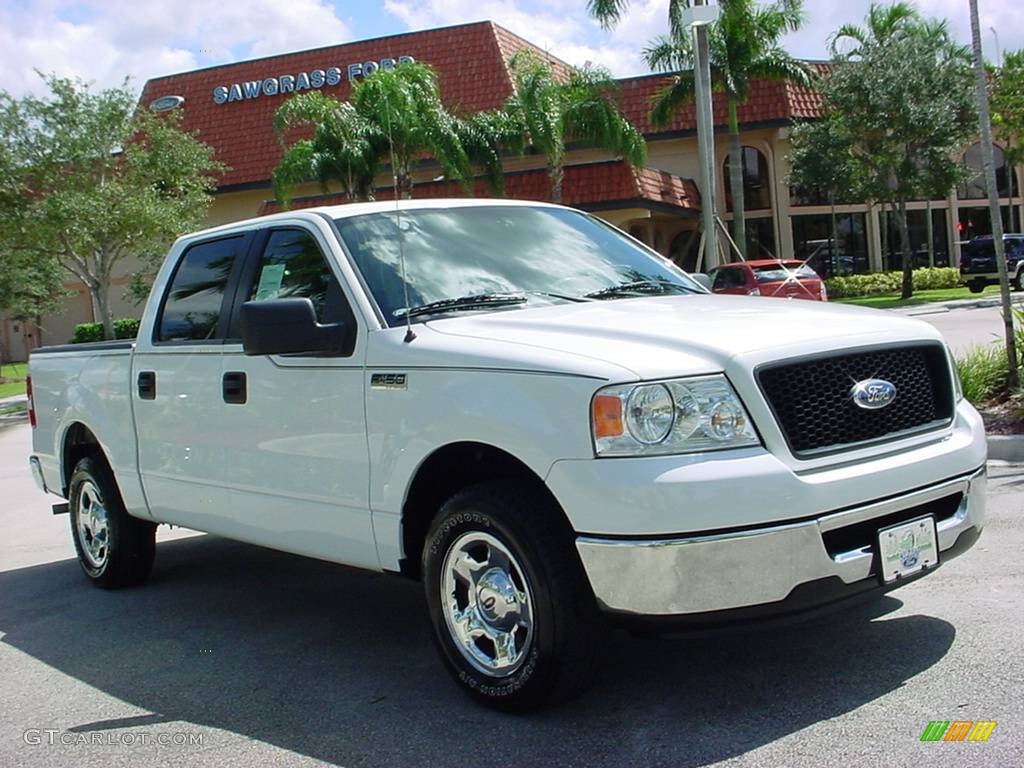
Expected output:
(92, 525)
(487, 604)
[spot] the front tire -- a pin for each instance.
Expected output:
(1018, 281)
(114, 549)
(513, 615)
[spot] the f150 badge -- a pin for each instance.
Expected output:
(388, 381)
(872, 394)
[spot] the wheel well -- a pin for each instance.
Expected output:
(444, 473)
(79, 442)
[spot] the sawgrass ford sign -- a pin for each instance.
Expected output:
(301, 81)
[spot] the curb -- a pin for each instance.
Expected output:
(1006, 447)
(946, 306)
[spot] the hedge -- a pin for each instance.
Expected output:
(926, 279)
(124, 328)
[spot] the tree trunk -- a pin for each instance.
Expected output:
(405, 185)
(931, 235)
(988, 163)
(908, 257)
(739, 223)
(100, 295)
(557, 175)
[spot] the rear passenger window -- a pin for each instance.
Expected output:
(193, 304)
(292, 266)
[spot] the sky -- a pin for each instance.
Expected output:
(105, 41)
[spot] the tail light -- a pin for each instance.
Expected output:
(31, 402)
(824, 292)
(755, 291)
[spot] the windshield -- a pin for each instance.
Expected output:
(780, 273)
(548, 255)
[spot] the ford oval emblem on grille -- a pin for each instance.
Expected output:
(872, 394)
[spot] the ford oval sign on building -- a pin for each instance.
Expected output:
(166, 103)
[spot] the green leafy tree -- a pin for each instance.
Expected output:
(898, 108)
(87, 180)
(394, 116)
(549, 113)
(744, 46)
(820, 162)
(1008, 116)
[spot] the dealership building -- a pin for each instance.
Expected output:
(231, 107)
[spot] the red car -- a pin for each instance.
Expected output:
(769, 277)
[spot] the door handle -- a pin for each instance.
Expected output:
(147, 385)
(233, 387)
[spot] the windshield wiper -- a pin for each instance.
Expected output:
(637, 286)
(477, 301)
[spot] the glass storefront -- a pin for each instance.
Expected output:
(917, 223)
(813, 243)
(756, 183)
(972, 222)
(760, 238)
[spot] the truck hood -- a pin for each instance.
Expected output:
(677, 335)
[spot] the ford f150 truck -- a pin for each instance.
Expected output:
(546, 422)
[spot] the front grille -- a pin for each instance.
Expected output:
(812, 403)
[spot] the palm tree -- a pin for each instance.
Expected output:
(549, 113)
(394, 116)
(883, 22)
(744, 46)
(609, 13)
(404, 106)
(344, 148)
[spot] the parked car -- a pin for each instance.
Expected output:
(787, 279)
(548, 424)
(978, 262)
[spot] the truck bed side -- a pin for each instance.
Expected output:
(83, 387)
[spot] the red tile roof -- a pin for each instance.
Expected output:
(768, 101)
(584, 186)
(471, 61)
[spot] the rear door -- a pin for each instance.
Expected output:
(176, 387)
(298, 465)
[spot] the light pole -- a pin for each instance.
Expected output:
(697, 18)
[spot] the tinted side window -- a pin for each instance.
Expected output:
(193, 304)
(729, 278)
(292, 266)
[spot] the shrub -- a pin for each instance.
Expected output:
(87, 332)
(124, 328)
(983, 372)
(927, 279)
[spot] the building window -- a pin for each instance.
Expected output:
(917, 223)
(757, 193)
(974, 187)
(760, 238)
(845, 254)
(972, 222)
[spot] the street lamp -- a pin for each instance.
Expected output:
(697, 18)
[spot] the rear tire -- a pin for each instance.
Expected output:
(114, 549)
(1018, 281)
(513, 614)
(976, 286)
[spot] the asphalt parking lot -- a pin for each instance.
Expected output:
(268, 658)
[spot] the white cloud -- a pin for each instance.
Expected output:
(107, 40)
(559, 26)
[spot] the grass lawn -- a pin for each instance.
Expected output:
(12, 379)
(892, 300)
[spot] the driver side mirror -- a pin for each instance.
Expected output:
(289, 326)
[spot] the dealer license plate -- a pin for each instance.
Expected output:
(907, 548)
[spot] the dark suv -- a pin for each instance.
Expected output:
(978, 262)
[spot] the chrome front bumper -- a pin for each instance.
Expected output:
(702, 574)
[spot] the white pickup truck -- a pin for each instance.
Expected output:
(547, 423)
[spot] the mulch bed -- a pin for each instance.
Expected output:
(1003, 416)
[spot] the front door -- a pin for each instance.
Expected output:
(297, 465)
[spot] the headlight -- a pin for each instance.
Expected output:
(679, 416)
